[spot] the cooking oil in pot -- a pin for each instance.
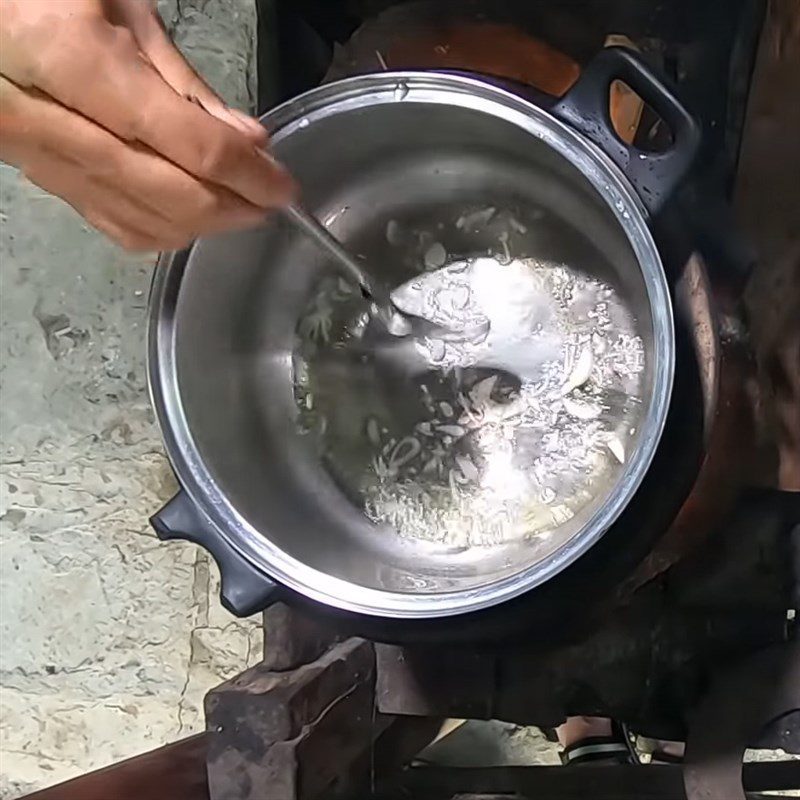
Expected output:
(468, 441)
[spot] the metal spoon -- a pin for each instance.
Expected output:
(315, 230)
(392, 319)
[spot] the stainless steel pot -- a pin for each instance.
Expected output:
(224, 313)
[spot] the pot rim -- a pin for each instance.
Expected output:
(613, 187)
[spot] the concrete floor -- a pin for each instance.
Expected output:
(108, 639)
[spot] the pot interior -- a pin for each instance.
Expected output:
(420, 163)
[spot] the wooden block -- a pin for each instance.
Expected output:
(292, 733)
(292, 638)
(274, 706)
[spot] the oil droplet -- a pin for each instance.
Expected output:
(304, 123)
(401, 91)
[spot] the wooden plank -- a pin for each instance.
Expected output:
(176, 771)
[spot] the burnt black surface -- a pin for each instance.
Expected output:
(707, 48)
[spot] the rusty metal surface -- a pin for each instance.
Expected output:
(605, 782)
(750, 340)
(648, 663)
(441, 682)
(753, 564)
(646, 668)
(738, 706)
(710, 311)
(767, 200)
(767, 191)
(460, 36)
(753, 437)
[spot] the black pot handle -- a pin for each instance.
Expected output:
(585, 107)
(244, 589)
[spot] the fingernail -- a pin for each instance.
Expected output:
(252, 124)
(285, 185)
(273, 162)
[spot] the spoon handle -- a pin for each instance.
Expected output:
(313, 229)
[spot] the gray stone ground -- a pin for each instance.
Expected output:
(108, 639)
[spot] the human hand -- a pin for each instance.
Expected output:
(98, 107)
